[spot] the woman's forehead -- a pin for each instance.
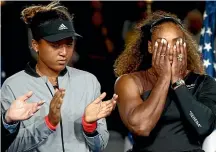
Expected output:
(168, 29)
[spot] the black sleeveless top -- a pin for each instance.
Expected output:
(169, 134)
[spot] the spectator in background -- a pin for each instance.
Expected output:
(193, 22)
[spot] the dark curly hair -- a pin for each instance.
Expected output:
(135, 56)
(38, 15)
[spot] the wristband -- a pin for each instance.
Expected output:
(49, 125)
(88, 127)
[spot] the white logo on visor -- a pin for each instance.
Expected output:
(62, 27)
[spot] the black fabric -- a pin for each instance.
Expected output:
(176, 131)
(30, 69)
(92, 134)
(6, 137)
(56, 30)
(198, 110)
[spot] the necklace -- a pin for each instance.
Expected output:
(53, 80)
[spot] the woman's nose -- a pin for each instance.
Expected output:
(63, 50)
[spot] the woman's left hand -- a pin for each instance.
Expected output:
(179, 65)
(99, 109)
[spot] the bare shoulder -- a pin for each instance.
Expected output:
(129, 82)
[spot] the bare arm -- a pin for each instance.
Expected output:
(140, 116)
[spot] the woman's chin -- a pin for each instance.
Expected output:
(60, 67)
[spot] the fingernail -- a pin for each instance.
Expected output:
(174, 47)
(32, 114)
(41, 102)
(184, 44)
(162, 40)
(156, 43)
(177, 43)
(165, 42)
(181, 41)
(168, 46)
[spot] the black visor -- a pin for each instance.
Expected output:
(57, 30)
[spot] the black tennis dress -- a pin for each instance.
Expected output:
(188, 117)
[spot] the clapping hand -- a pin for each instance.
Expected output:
(99, 109)
(20, 109)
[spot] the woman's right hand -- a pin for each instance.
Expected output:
(20, 109)
(160, 59)
(54, 115)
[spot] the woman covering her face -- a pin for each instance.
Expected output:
(165, 98)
